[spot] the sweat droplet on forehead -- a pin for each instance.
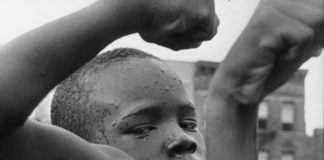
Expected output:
(113, 124)
(145, 81)
(162, 71)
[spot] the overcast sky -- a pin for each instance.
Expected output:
(20, 16)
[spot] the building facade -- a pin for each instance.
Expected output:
(281, 124)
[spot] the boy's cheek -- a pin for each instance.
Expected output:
(139, 148)
(201, 150)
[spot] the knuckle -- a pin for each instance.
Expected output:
(176, 48)
(194, 45)
(308, 34)
(209, 36)
(212, 29)
(208, 28)
(213, 32)
(311, 34)
(320, 19)
(270, 40)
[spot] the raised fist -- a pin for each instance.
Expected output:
(281, 36)
(179, 24)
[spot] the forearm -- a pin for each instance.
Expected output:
(273, 45)
(231, 109)
(34, 63)
(56, 49)
(231, 128)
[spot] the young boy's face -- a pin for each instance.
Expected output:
(149, 114)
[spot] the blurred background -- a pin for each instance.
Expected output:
(290, 119)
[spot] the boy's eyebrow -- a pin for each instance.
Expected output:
(156, 110)
(144, 110)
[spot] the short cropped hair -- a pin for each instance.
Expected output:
(71, 108)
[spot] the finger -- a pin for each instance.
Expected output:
(311, 16)
(307, 14)
(153, 37)
(315, 3)
(206, 29)
(302, 36)
(318, 52)
(177, 26)
(279, 77)
(285, 68)
(280, 74)
(179, 44)
(162, 33)
(285, 33)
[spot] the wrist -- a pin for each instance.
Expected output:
(236, 87)
(124, 14)
(245, 70)
(131, 13)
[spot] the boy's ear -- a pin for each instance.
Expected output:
(113, 152)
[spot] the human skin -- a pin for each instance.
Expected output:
(279, 38)
(45, 56)
(34, 63)
(148, 113)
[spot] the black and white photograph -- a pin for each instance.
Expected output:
(161, 79)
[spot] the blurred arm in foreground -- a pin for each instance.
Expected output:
(279, 38)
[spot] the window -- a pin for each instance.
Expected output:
(263, 155)
(287, 116)
(287, 156)
(263, 115)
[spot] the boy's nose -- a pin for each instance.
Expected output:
(180, 146)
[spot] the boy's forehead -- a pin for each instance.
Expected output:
(138, 80)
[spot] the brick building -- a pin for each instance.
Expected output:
(281, 124)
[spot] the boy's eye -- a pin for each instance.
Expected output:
(140, 130)
(190, 125)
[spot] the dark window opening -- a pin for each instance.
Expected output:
(262, 124)
(287, 126)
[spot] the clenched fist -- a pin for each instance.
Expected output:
(281, 35)
(179, 24)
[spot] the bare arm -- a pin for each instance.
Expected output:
(277, 40)
(38, 141)
(34, 63)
